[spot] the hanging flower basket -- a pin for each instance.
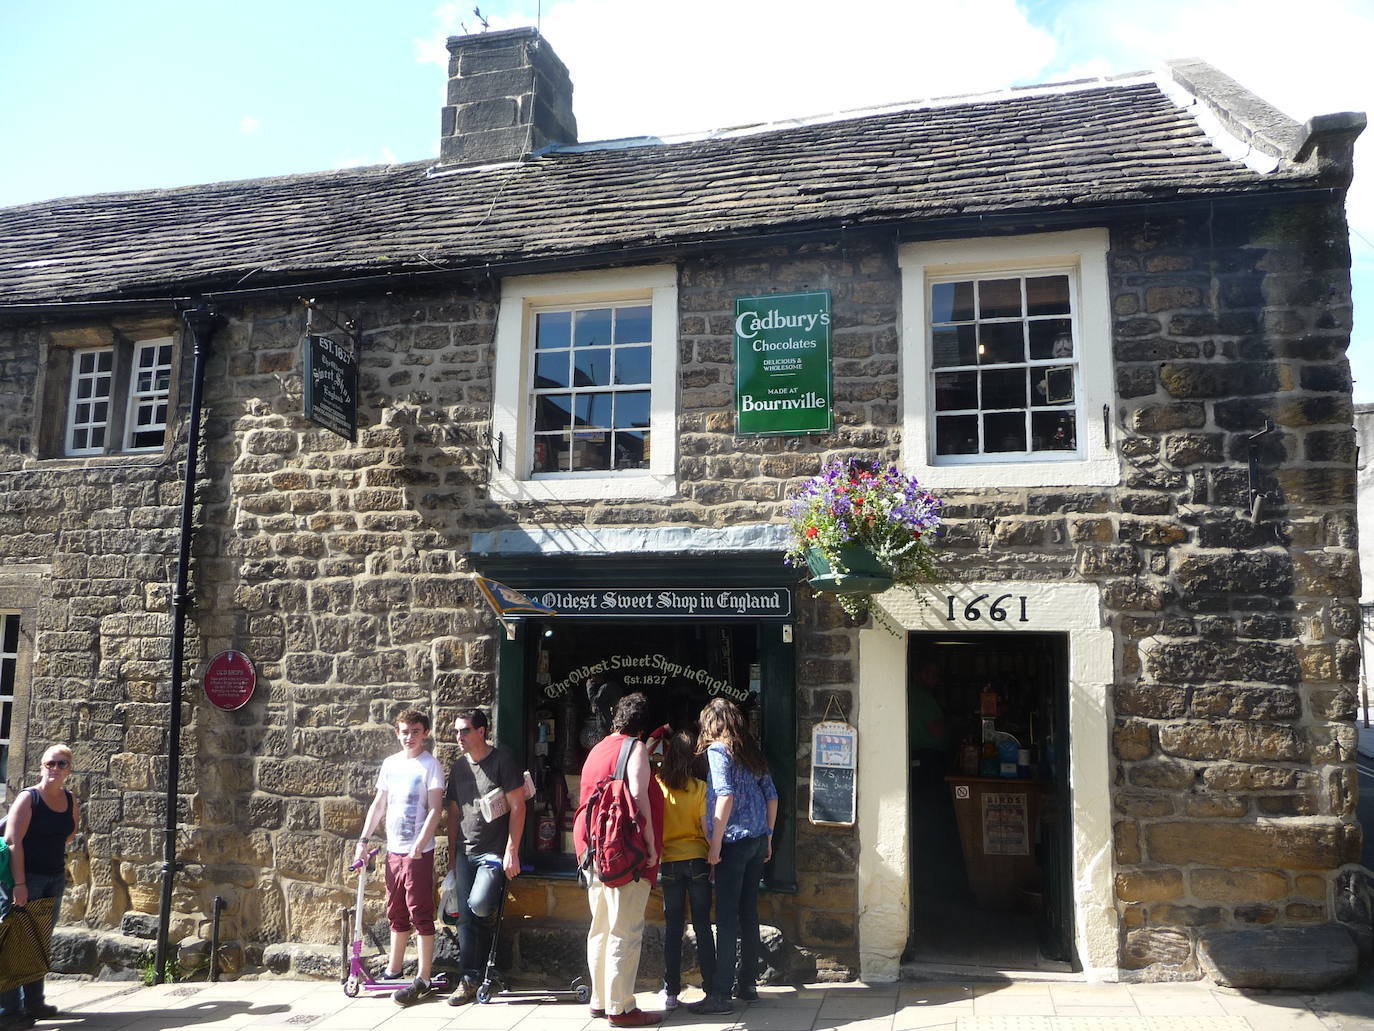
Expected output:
(861, 529)
(857, 571)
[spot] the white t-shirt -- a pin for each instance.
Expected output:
(407, 783)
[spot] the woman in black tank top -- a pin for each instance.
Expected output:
(41, 821)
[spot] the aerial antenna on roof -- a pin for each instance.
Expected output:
(477, 13)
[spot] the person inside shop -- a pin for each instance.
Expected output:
(486, 809)
(932, 809)
(617, 927)
(741, 810)
(43, 818)
(684, 875)
(410, 798)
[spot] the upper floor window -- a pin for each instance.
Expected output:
(117, 395)
(1008, 360)
(586, 400)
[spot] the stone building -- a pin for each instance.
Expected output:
(1070, 310)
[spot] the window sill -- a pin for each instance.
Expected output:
(1086, 472)
(642, 486)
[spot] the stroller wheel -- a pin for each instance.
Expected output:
(584, 993)
(351, 987)
(484, 993)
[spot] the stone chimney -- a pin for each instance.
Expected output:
(508, 95)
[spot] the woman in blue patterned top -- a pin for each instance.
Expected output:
(741, 807)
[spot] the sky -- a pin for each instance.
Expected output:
(134, 94)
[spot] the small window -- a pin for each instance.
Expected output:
(150, 385)
(9, 666)
(1007, 367)
(585, 386)
(88, 412)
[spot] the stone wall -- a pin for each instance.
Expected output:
(333, 565)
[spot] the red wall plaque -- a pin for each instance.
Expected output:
(230, 679)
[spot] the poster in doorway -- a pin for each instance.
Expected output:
(1006, 829)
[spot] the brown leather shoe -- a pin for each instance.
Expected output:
(635, 1018)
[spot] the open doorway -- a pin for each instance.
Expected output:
(990, 814)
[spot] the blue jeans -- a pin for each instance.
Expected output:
(480, 882)
(41, 886)
(680, 881)
(737, 913)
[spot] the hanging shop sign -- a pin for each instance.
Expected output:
(229, 680)
(834, 755)
(782, 364)
(331, 386)
(674, 602)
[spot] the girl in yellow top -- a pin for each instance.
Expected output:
(684, 874)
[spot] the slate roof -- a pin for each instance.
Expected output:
(1061, 150)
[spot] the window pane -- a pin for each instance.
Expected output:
(1047, 295)
(551, 453)
(85, 363)
(593, 410)
(954, 345)
(105, 360)
(80, 439)
(551, 370)
(1004, 388)
(1054, 431)
(1052, 386)
(1051, 338)
(999, 298)
(632, 450)
(592, 328)
(101, 408)
(632, 410)
(552, 412)
(1004, 431)
(632, 364)
(592, 367)
(98, 437)
(147, 438)
(84, 387)
(955, 391)
(956, 435)
(591, 451)
(11, 642)
(1001, 342)
(951, 302)
(83, 412)
(633, 325)
(553, 329)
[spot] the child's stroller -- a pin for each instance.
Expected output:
(356, 977)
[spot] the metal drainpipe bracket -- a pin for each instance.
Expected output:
(1257, 496)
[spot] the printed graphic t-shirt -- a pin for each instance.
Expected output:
(407, 783)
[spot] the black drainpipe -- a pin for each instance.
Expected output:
(200, 321)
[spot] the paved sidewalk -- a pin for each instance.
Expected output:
(909, 1006)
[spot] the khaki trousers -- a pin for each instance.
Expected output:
(613, 943)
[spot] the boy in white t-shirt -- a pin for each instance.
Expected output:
(410, 795)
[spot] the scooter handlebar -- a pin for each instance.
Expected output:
(357, 864)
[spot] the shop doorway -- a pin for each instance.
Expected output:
(990, 833)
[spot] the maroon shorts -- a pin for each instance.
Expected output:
(410, 892)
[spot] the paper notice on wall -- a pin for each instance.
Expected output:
(1006, 828)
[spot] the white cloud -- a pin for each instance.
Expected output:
(384, 157)
(250, 126)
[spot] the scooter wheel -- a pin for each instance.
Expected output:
(584, 994)
(484, 993)
(352, 987)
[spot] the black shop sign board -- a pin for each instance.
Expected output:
(331, 386)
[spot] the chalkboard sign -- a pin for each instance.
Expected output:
(834, 748)
(832, 797)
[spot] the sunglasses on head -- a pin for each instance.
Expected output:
(56, 764)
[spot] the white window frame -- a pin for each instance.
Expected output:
(513, 409)
(1083, 253)
(73, 389)
(153, 396)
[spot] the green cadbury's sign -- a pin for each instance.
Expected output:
(782, 363)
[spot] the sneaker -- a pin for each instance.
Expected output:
(413, 992)
(635, 1018)
(597, 1014)
(387, 975)
(669, 1001)
(40, 1011)
(463, 994)
(712, 1004)
(747, 993)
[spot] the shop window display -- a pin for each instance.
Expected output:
(577, 672)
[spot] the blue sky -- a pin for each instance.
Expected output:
(103, 96)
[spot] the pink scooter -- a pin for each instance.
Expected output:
(358, 978)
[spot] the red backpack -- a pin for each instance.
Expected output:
(615, 840)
